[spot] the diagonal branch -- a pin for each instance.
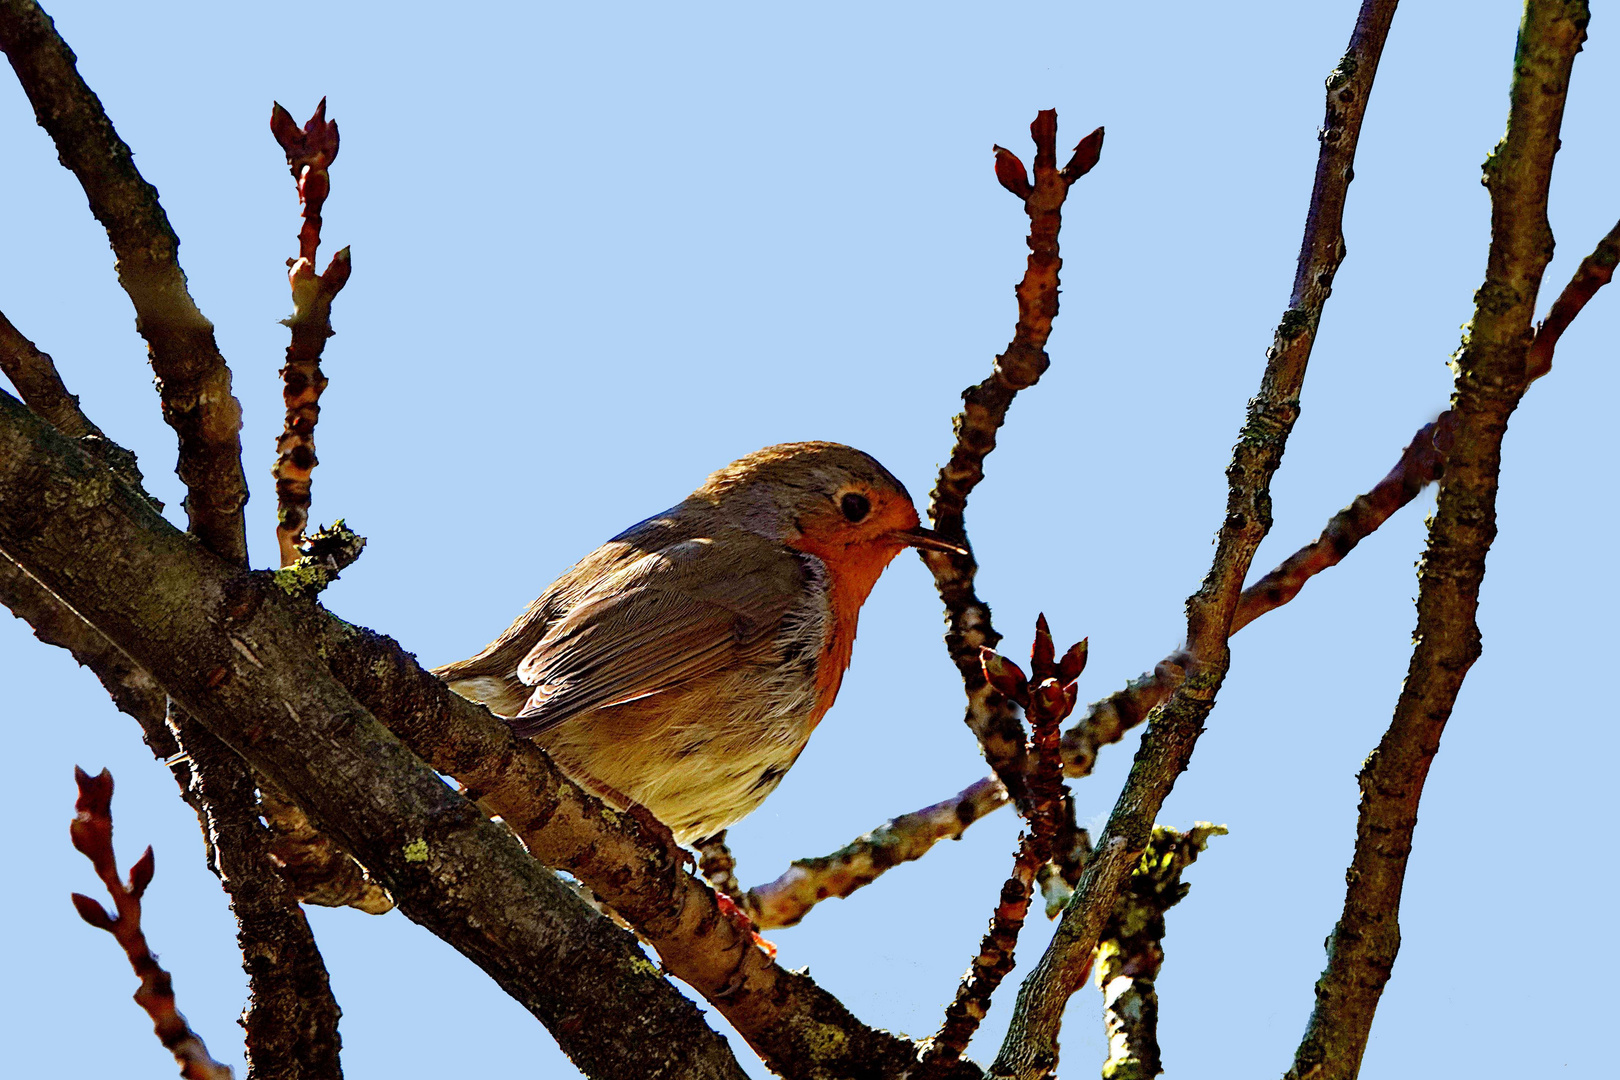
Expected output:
(1492, 375)
(902, 839)
(233, 650)
(1030, 1049)
(250, 659)
(993, 721)
(1046, 697)
(193, 381)
(291, 1021)
(1422, 463)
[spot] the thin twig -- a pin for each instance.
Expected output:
(1131, 950)
(1031, 1047)
(193, 381)
(92, 836)
(34, 374)
(1492, 375)
(902, 839)
(1046, 697)
(1595, 271)
(968, 628)
(310, 151)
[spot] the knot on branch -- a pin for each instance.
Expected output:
(323, 556)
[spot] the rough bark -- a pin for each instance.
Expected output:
(1031, 1048)
(1492, 375)
(227, 649)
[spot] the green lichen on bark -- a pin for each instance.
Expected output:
(1130, 950)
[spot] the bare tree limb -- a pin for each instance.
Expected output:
(1422, 463)
(1595, 271)
(1107, 720)
(310, 151)
(233, 652)
(1031, 1048)
(1492, 375)
(34, 375)
(1131, 950)
(968, 629)
(249, 657)
(910, 836)
(902, 839)
(193, 380)
(92, 836)
(291, 1021)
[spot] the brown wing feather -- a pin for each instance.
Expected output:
(656, 624)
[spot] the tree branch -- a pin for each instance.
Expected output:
(310, 152)
(1422, 463)
(92, 836)
(193, 380)
(1030, 1049)
(993, 721)
(1046, 697)
(232, 651)
(1492, 375)
(291, 1020)
(1131, 950)
(902, 839)
(247, 655)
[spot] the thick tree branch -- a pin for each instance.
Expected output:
(232, 652)
(968, 629)
(291, 1025)
(1492, 374)
(1031, 1047)
(291, 1020)
(193, 380)
(798, 1028)
(252, 653)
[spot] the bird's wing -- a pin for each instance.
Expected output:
(662, 621)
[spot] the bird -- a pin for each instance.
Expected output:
(682, 666)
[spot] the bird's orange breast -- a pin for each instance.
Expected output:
(852, 571)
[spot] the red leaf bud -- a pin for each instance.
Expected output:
(92, 912)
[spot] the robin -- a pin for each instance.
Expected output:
(684, 663)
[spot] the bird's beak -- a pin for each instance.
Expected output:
(928, 540)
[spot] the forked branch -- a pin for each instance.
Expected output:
(992, 719)
(1046, 697)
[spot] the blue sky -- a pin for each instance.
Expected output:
(601, 250)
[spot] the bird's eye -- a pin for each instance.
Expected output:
(855, 506)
